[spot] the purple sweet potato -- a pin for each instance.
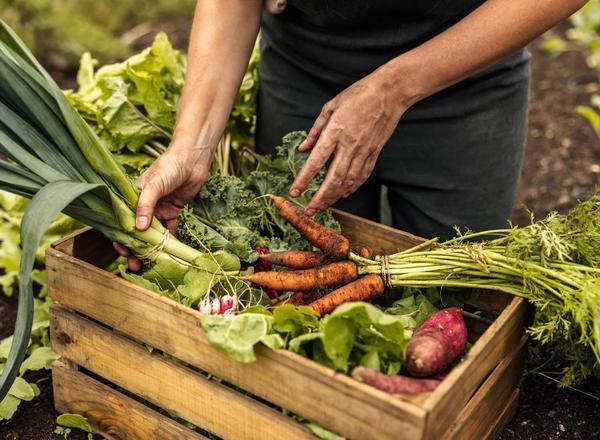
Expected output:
(436, 343)
(394, 384)
(450, 321)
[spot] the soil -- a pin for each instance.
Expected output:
(562, 164)
(562, 160)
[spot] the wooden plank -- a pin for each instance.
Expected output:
(87, 245)
(179, 390)
(482, 410)
(381, 238)
(446, 402)
(110, 412)
(505, 416)
(317, 393)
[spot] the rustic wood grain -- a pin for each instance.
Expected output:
(110, 412)
(482, 410)
(181, 391)
(380, 238)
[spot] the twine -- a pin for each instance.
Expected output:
(385, 271)
(151, 253)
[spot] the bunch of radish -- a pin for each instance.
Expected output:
(435, 345)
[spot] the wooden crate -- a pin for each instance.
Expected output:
(101, 323)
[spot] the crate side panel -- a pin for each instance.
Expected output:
(313, 391)
(380, 238)
(504, 418)
(177, 389)
(446, 402)
(490, 400)
(110, 412)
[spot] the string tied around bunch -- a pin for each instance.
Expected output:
(385, 271)
(151, 254)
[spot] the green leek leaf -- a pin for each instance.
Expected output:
(44, 207)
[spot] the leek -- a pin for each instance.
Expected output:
(50, 155)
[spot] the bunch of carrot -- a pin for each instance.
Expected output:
(313, 273)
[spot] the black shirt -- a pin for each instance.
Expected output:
(341, 41)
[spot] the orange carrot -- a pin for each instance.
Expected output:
(328, 275)
(297, 299)
(363, 289)
(295, 259)
(363, 251)
(320, 236)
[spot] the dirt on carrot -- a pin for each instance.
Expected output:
(295, 259)
(320, 236)
(363, 251)
(364, 289)
(328, 275)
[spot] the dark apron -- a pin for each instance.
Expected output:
(455, 157)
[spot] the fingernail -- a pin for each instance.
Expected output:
(310, 212)
(301, 146)
(141, 222)
(294, 192)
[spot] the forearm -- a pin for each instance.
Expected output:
(491, 32)
(221, 41)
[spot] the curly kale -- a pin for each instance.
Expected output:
(230, 213)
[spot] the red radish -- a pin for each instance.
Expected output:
(436, 343)
(394, 384)
(226, 305)
(262, 264)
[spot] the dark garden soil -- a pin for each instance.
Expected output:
(562, 164)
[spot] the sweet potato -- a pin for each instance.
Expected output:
(436, 343)
(452, 324)
(394, 384)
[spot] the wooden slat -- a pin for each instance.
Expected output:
(110, 412)
(87, 245)
(491, 398)
(381, 238)
(181, 391)
(446, 402)
(505, 416)
(317, 393)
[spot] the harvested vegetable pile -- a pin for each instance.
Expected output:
(241, 224)
(554, 263)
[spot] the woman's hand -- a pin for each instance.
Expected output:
(171, 182)
(353, 127)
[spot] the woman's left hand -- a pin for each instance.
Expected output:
(353, 127)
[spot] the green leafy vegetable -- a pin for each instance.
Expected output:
(75, 421)
(353, 333)
(237, 335)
